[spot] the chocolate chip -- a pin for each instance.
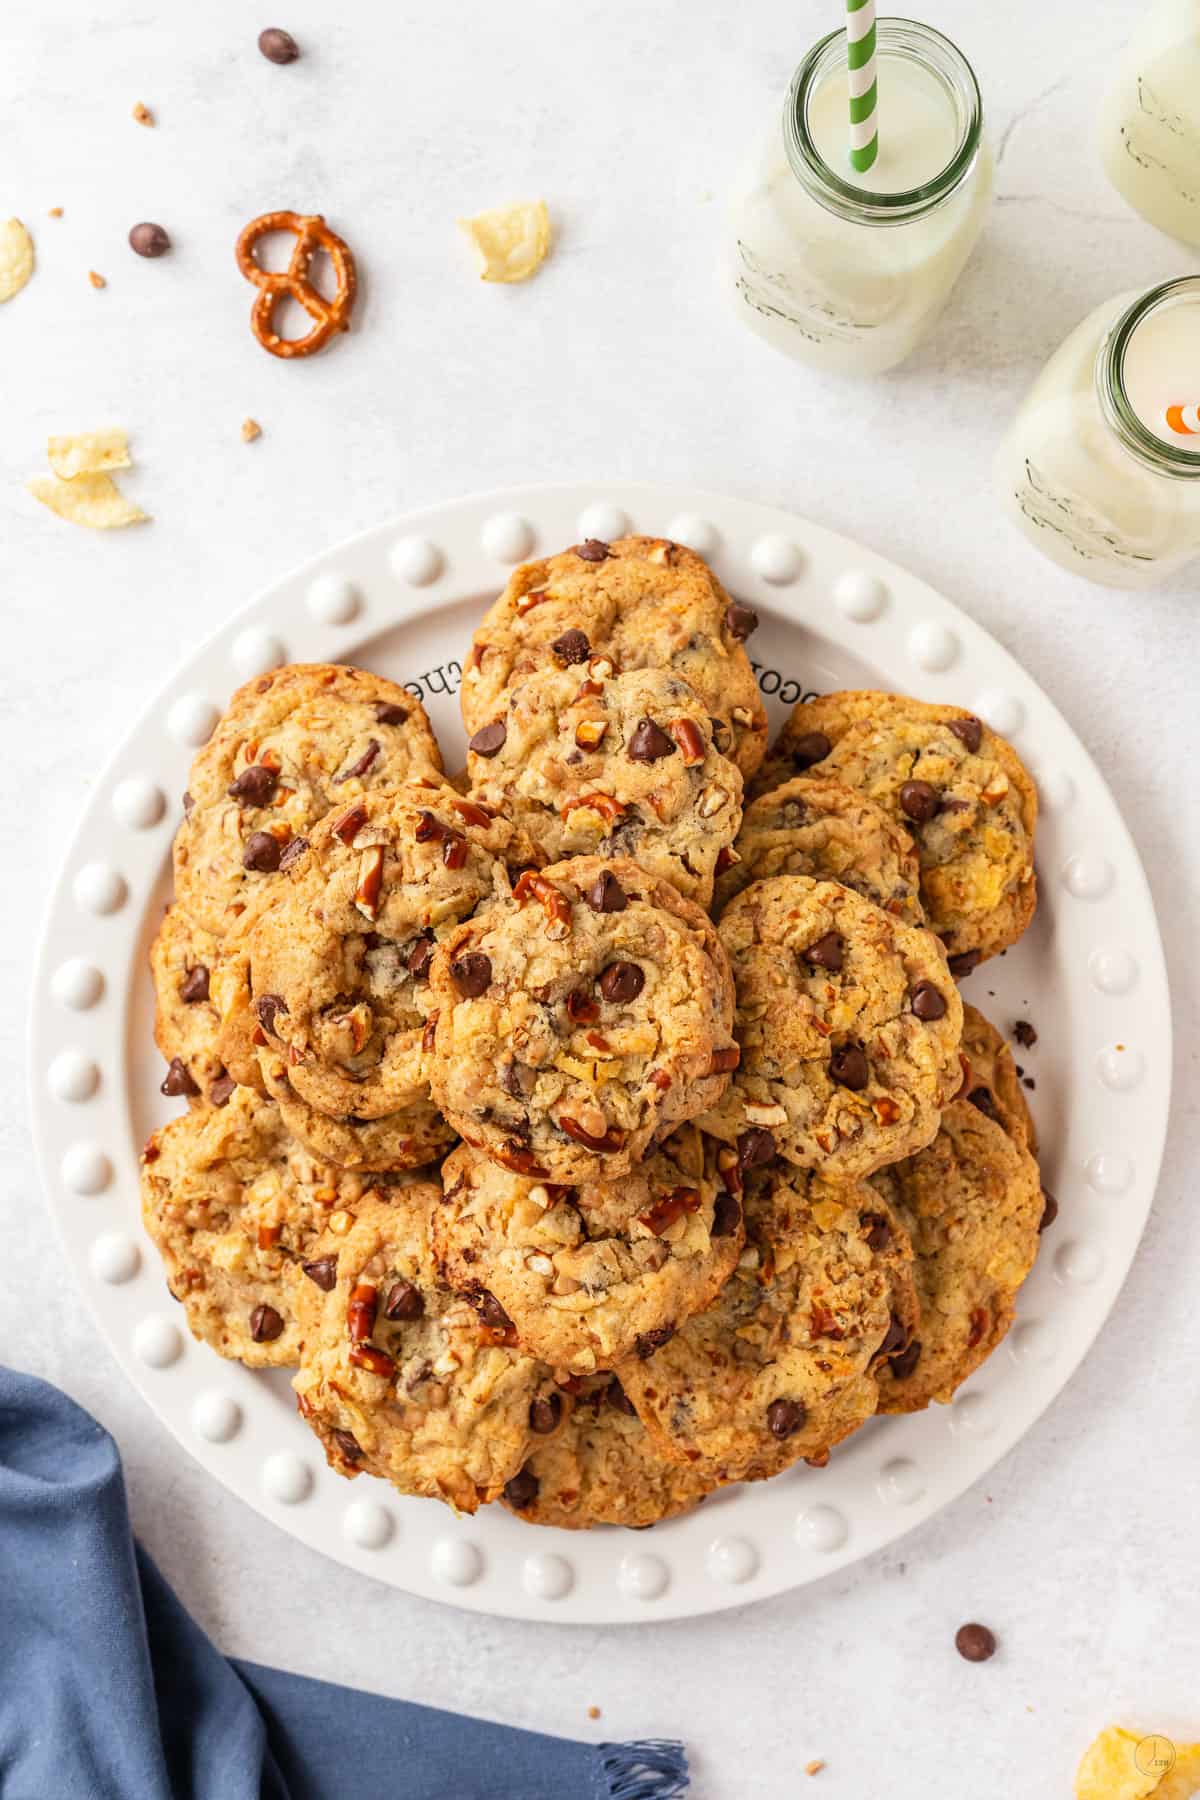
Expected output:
(848, 1066)
(419, 958)
(221, 1090)
(522, 1490)
(278, 46)
(544, 1414)
(267, 1009)
(785, 1417)
(265, 1324)
(826, 953)
(571, 647)
(975, 1643)
(968, 731)
(740, 620)
(404, 1301)
(1025, 1034)
(809, 748)
(606, 895)
(618, 1398)
(262, 853)
(149, 240)
(964, 962)
(650, 1341)
(927, 1003)
(517, 1078)
(427, 829)
(489, 739)
(491, 1311)
(903, 1365)
(177, 1080)
(360, 767)
(894, 1340)
(323, 1271)
(293, 853)
(592, 550)
(622, 982)
(1049, 1211)
(194, 985)
(254, 785)
(388, 713)
(348, 1444)
(188, 803)
(649, 743)
(982, 1098)
(471, 974)
(919, 801)
(878, 1231)
(755, 1148)
(727, 1215)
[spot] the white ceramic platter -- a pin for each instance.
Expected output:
(1090, 974)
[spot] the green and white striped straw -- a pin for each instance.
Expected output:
(860, 61)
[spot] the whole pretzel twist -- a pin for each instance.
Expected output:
(292, 283)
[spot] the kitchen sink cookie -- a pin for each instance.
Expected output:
(781, 1365)
(994, 1086)
(637, 603)
(849, 1026)
(415, 1134)
(589, 1273)
(234, 1207)
(183, 961)
(580, 1020)
(601, 1468)
(611, 765)
(403, 1379)
(962, 792)
(831, 832)
(972, 1203)
(291, 745)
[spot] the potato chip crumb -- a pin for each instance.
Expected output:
(512, 241)
(143, 115)
(16, 258)
(814, 1767)
(92, 500)
(55, 212)
(251, 429)
(88, 453)
(593, 1712)
(97, 281)
(1133, 1765)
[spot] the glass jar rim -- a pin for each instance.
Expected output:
(1135, 436)
(894, 36)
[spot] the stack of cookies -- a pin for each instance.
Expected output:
(605, 1125)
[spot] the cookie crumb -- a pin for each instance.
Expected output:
(251, 429)
(55, 212)
(142, 114)
(815, 1766)
(593, 1712)
(97, 281)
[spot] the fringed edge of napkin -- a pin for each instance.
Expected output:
(650, 1769)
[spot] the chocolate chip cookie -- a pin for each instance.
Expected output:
(183, 960)
(638, 603)
(589, 1273)
(781, 1365)
(962, 792)
(617, 764)
(972, 1203)
(403, 1379)
(831, 832)
(994, 1086)
(291, 745)
(580, 1020)
(849, 1025)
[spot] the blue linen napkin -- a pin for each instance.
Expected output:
(109, 1690)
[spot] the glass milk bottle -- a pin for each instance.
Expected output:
(1101, 466)
(1150, 120)
(848, 271)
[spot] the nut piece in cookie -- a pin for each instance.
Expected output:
(184, 964)
(994, 1086)
(848, 1023)
(580, 1020)
(593, 762)
(972, 1203)
(641, 603)
(780, 1366)
(404, 1379)
(291, 745)
(588, 1273)
(821, 828)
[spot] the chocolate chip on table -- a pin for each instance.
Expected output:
(522, 1490)
(471, 974)
(848, 1066)
(149, 239)
(177, 1081)
(811, 747)
(975, 1643)
(194, 985)
(740, 620)
(404, 1301)
(348, 1444)
(222, 1089)
(254, 785)
(785, 1417)
(919, 801)
(650, 1341)
(278, 46)
(592, 550)
(927, 1003)
(388, 713)
(622, 982)
(755, 1148)
(727, 1215)
(265, 1324)
(649, 742)
(262, 854)
(489, 739)
(1025, 1034)
(619, 1399)
(572, 647)
(894, 1339)
(968, 731)
(267, 1008)
(606, 895)
(293, 853)
(984, 1101)
(323, 1271)
(903, 1364)
(826, 953)
(544, 1414)
(964, 963)
(1049, 1211)
(878, 1230)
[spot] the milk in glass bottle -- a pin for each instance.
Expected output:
(848, 270)
(1150, 120)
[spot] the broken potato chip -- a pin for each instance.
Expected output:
(1131, 1765)
(88, 453)
(511, 241)
(16, 258)
(93, 500)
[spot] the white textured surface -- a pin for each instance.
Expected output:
(617, 359)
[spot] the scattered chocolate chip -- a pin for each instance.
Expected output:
(177, 1081)
(650, 1341)
(522, 1490)
(404, 1301)
(649, 742)
(740, 620)
(618, 1398)
(388, 713)
(544, 1414)
(265, 1324)
(254, 785)
(984, 1101)
(919, 801)
(194, 985)
(964, 963)
(927, 1003)
(606, 895)
(471, 974)
(419, 958)
(1028, 1082)
(622, 982)
(293, 853)
(975, 1643)
(811, 747)
(894, 1339)
(360, 767)
(755, 1148)
(785, 1417)
(149, 240)
(848, 1066)
(278, 46)
(221, 1090)
(878, 1231)
(489, 739)
(592, 550)
(1025, 1034)
(348, 1444)
(826, 953)
(1049, 1211)
(968, 732)
(571, 647)
(323, 1271)
(903, 1365)
(267, 1009)
(727, 1215)
(262, 853)
(491, 1311)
